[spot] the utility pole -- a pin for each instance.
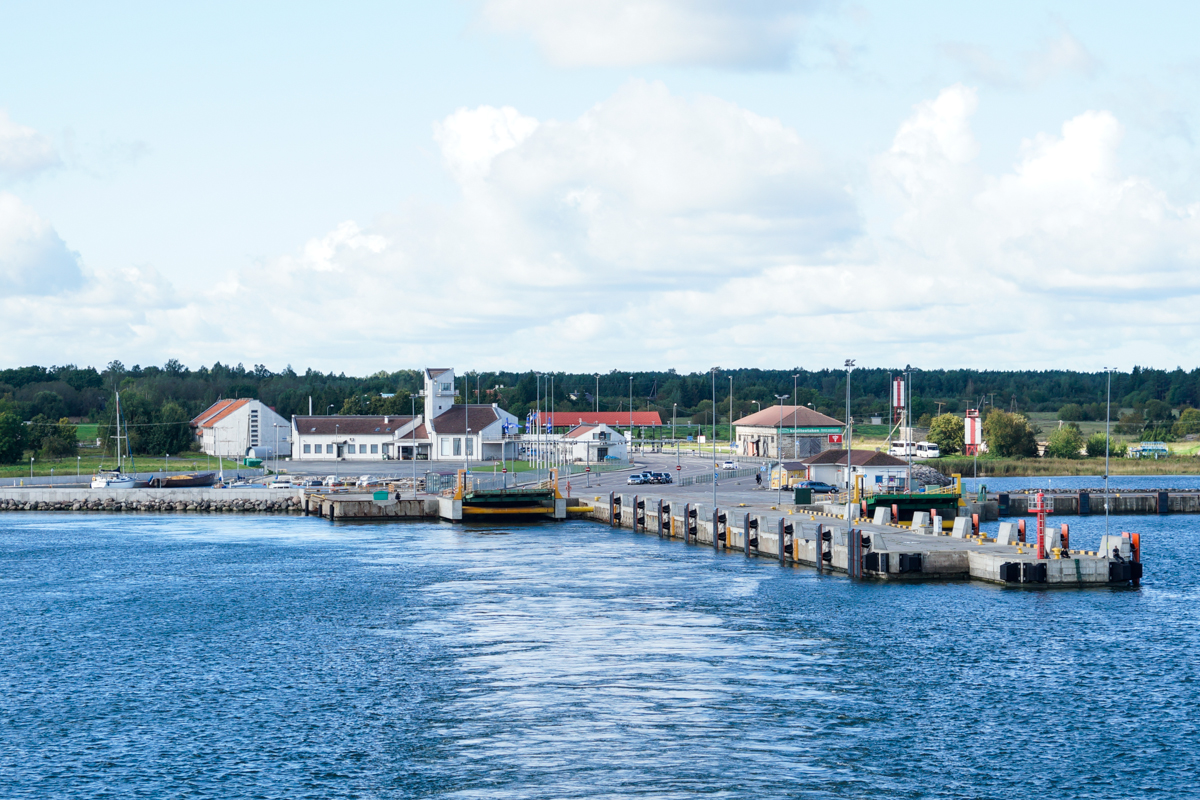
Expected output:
(779, 398)
(849, 450)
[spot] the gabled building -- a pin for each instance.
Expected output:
(801, 431)
(229, 428)
(446, 431)
(330, 438)
(593, 443)
(879, 470)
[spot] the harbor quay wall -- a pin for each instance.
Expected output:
(937, 556)
(1124, 503)
(175, 499)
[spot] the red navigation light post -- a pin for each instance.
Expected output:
(1041, 510)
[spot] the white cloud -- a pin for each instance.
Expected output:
(657, 230)
(23, 151)
(471, 138)
(623, 33)
(33, 258)
(1054, 56)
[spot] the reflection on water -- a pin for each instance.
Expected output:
(233, 657)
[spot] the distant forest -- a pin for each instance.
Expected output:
(159, 401)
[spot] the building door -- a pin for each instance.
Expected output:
(341, 451)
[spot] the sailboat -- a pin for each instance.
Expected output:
(110, 478)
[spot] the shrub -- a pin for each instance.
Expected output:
(947, 431)
(1009, 435)
(1189, 422)
(1066, 442)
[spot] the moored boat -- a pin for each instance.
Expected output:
(184, 480)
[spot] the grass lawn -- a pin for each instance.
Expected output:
(88, 464)
(87, 431)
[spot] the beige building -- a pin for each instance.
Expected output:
(803, 431)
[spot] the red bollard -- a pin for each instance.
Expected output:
(1021, 530)
(1066, 536)
(895, 512)
(975, 523)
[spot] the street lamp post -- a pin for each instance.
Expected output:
(1107, 425)
(796, 395)
(31, 469)
(779, 450)
(714, 443)
(849, 451)
(731, 441)
(77, 460)
(335, 451)
(631, 410)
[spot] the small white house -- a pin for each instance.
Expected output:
(879, 470)
(594, 443)
(230, 428)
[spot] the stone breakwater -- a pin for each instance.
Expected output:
(290, 505)
(200, 499)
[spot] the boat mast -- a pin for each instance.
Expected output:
(120, 458)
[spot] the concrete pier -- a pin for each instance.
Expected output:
(887, 552)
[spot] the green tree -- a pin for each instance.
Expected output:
(1189, 422)
(1066, 442)
(59, 441)
(1009, 435)
(1131, 424)
(947, 432)
(1071, 412)
(12, 445)
(1095, 447)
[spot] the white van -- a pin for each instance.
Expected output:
(902, 449)
(928, 450)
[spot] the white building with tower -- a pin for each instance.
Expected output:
(445, 431)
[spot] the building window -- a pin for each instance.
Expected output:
(329, 449)
(447, 387)
(308, 448)
(446, 446)
(374, 448)
(457, 446)
(470, 446)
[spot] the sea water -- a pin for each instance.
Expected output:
(258, 656)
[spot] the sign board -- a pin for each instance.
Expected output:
(701, 438)
(691, 438)
(898, 393)
(809, 431)
(835, 438)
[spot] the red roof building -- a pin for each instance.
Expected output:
(613, 419)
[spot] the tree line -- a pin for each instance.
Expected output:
(41, 402)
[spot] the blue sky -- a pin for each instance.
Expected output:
(599, 185)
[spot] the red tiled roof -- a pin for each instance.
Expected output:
(217, 412)
(580, 430)
(793, 417)
(563, 419)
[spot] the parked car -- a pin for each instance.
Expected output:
(820, 487)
